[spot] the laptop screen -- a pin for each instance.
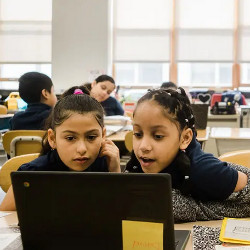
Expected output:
(65, 209)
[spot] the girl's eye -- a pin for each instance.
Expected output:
(103, 87)
(137, 134)
(91, 137)
(158, 137)
(70, 138)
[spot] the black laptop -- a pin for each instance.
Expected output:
(73, 210)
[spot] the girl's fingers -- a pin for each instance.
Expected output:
(107, 141)
(109, 149)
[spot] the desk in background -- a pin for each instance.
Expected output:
(119, 139)
(4, 121)
(224, 120)
(230, 139)
(14, 111)
(202, 135)
(11, 220)
(119, 136)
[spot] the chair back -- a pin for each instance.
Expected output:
(19, 142)
(129, 141)
(240, 157)
(12, 165)
(200, 112)
(3, 110)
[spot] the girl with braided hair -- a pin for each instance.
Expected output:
(164, 141)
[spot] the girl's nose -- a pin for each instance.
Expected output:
(145, 145)
(81, 147)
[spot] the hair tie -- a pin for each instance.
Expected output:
(178, 91)
(77, 92)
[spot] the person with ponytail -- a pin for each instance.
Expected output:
(75, 140)
(165, 142)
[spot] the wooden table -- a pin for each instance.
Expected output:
(202, 136)
(119, 136)
(11, 219)
(230, 139)
(223, 120)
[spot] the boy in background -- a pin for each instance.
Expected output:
(37, 90)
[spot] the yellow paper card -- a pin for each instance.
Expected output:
(142, 235)
(237, 232)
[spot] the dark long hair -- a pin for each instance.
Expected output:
(103, 78)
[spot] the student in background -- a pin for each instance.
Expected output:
(169, 85)
(75, 141)
(203, 187)
(37, 90)
(101, 89)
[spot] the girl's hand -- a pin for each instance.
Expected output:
(111, 151)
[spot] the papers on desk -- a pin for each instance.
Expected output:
(116, 120)
(111, 129)
(116, 123)
(2, 214)
(6, 240)
(235, 231)
(10, 238)
(227, 247)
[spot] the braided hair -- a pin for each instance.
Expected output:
(176, 107)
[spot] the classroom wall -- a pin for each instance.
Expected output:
(81, 41)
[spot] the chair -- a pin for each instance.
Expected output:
(129, 141)
(3, 110)
(19, 142)
(200, 112)
(240, 157)
(12, 165)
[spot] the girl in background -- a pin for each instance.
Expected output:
(101, 89)
(75, 140)
(164, 142)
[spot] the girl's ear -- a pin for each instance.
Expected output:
(93, 84)
(186, 138)
(52, 138)
(103, 133)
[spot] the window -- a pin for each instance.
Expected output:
(245, 73)
(144, 74)
(203, 43)
(205, 74)
(12, 72)
(25, 38)
(141, 41)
